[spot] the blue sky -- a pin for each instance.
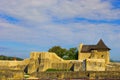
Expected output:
(37, 25)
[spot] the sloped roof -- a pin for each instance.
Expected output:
(99, 46)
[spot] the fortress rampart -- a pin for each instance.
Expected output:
(91, 58)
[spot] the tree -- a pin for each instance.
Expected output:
(70, 54)
(58, 50)
(2, 57)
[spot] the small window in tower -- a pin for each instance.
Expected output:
(102, 56)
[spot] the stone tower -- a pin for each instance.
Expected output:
(98, 51)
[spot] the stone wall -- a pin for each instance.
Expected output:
(95, 55)
(9, 63)
(41, 61)
(13, 65)
(113, 66)
(6, 74)
(78, 66)
(94, 65)
(83, 56)
(79, 75)
(33, 66)
(100, 55)
(72, 65)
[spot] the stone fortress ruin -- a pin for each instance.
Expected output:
(91, 58)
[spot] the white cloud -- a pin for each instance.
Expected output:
(42, 10)
(52, 34)
(37, 26)
(90, 9)
(29, 10)
(39, 13)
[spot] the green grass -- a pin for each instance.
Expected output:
(26, 76)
